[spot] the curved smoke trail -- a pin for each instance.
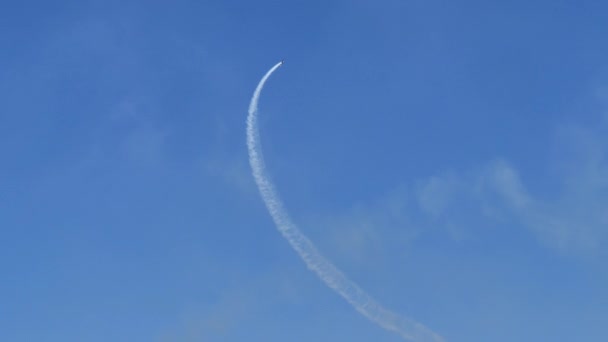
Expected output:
(329, 274)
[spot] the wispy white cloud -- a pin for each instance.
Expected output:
(572, 218)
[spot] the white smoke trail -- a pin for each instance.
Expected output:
(329, 274)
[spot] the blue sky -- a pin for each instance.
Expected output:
(450, 157)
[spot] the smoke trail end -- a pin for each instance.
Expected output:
(408, 329)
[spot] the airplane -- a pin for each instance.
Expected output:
(282, 61)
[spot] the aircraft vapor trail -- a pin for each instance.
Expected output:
(334, 278)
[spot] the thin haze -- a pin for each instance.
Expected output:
(329, 274)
